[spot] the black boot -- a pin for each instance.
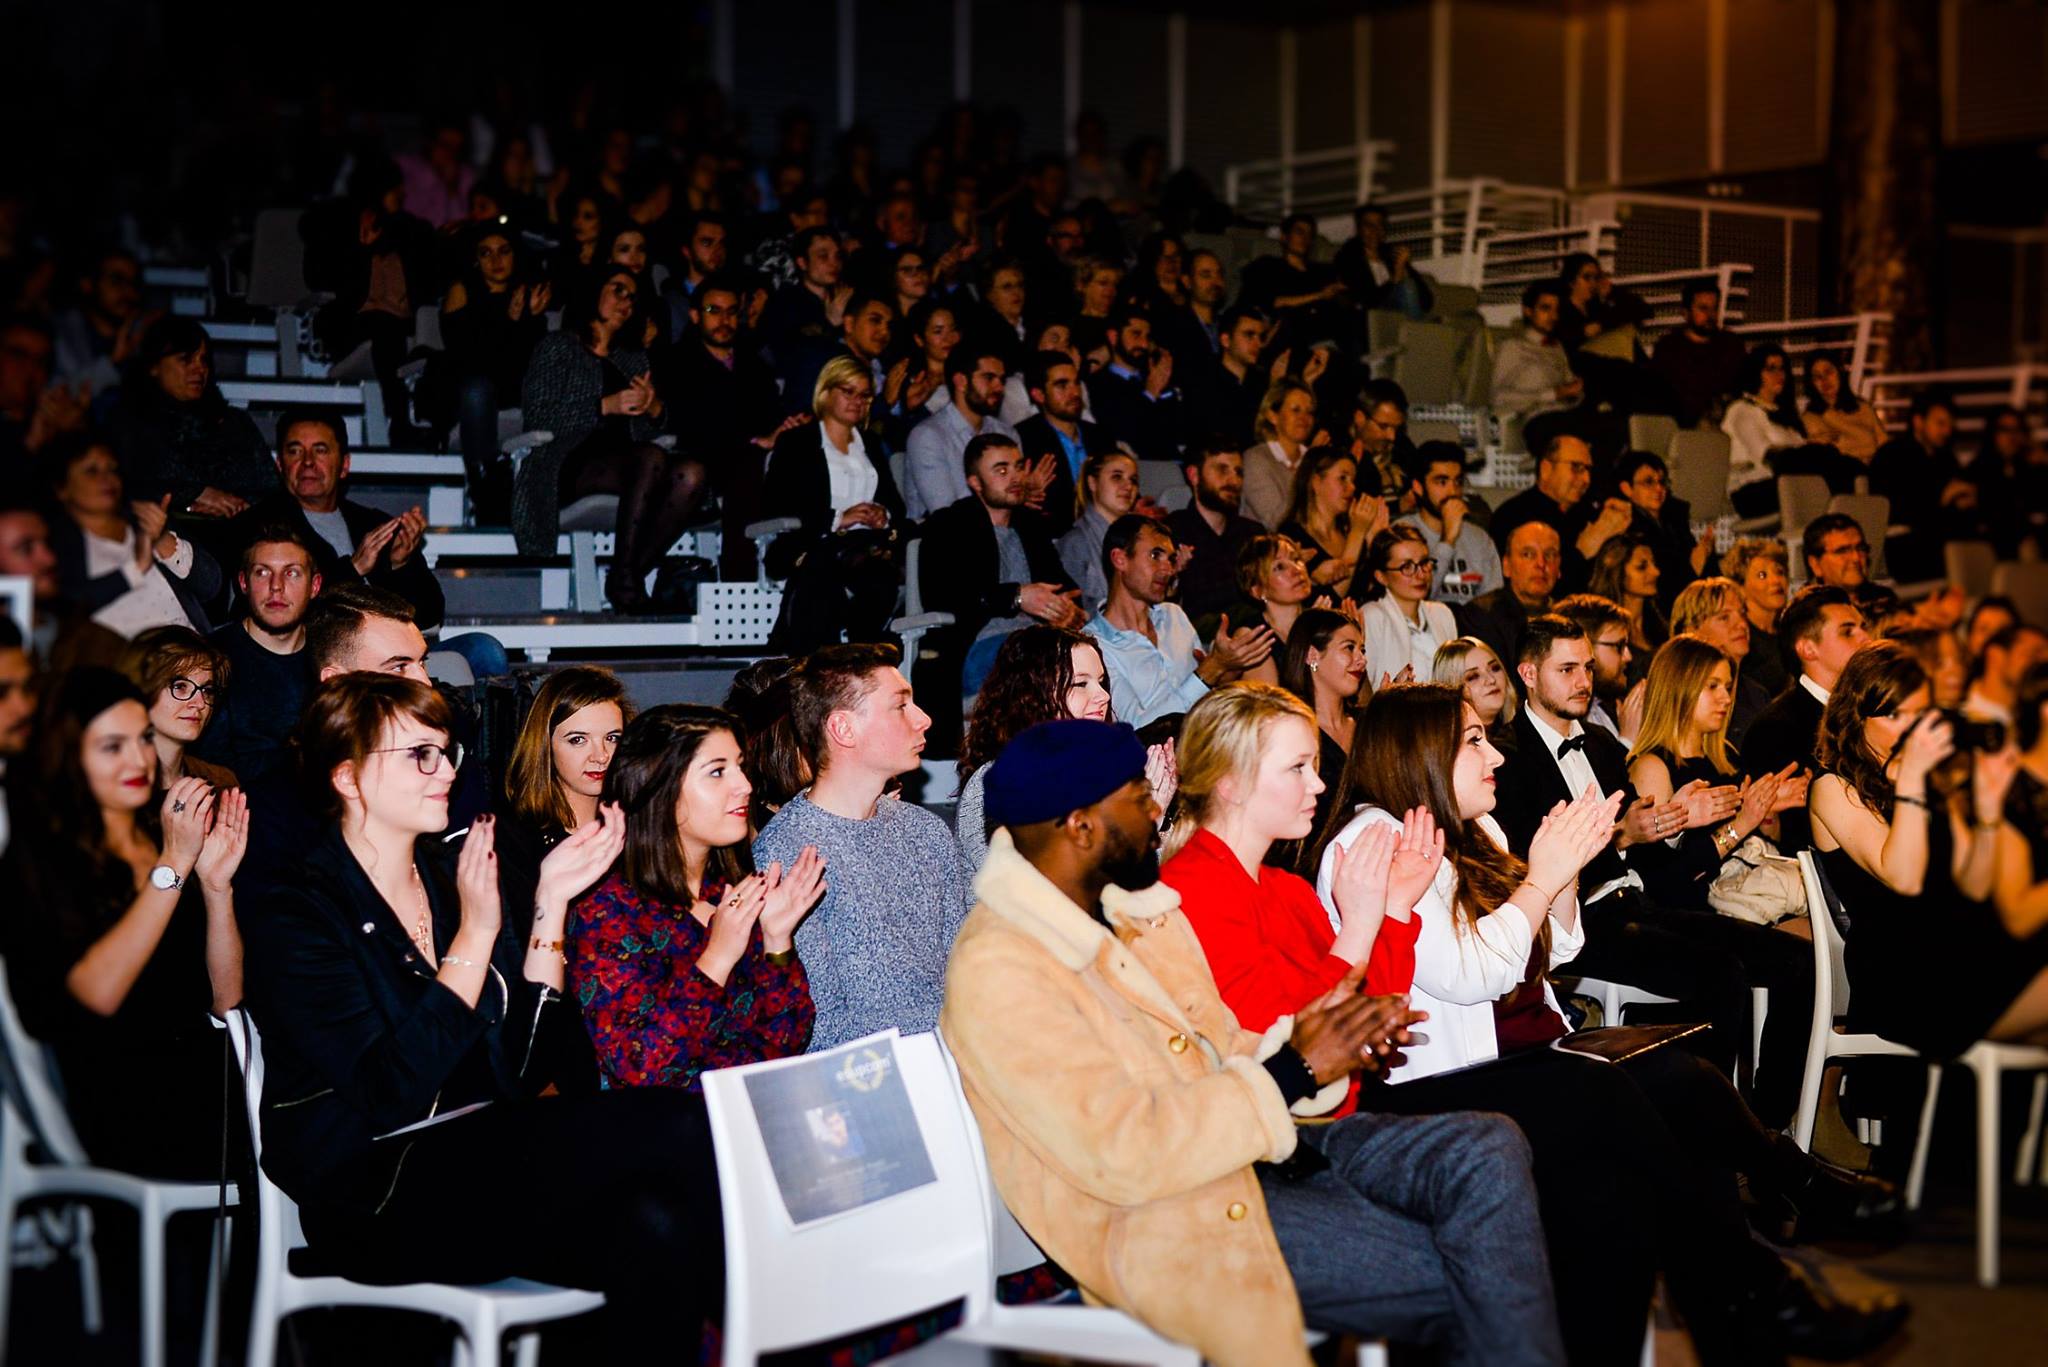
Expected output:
(1799, 1319)
(1804, 1197)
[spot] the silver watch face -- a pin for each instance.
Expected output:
(164, 876)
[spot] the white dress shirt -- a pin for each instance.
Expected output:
(853, 476)
(1461, 967)
(1579, 776)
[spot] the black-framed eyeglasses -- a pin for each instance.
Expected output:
(428, 756)
(1413, 567)
(183, 688)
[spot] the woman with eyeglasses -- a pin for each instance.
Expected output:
(1403, 628)
(1914, 840)
(121, 944)
(392, 994)
(840, 564)
(589, 385)
(182, 676)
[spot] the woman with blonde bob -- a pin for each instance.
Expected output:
(1469, 665)
(1682, 751)
(1285, 428)
(1248, 781)
(1716, 610)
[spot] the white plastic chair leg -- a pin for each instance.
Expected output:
(2023, 1170)
(1984, 1064)
(91, 1310)
(464, 1355)
(264, 1312)
(152, 1220)
(219, 1249)
(1916, 1177)
(1373, 1354)
(526, 1349)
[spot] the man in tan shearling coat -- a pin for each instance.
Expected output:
(1124, 1110)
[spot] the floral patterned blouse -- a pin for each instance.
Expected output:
(654, 1018)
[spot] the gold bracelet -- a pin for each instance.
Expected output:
(781, 957)
(553, 947)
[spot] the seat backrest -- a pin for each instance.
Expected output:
(1830, 973)
(1699, 472)
(1970, 565)
(2026, 583)
(1456, 301)
(1421, 430)
(877, 1262)
(899, 471)
(1162, 481)
(913, 591)
(1651, 432)
(426, 327)
(1427, 367)
(32, 1085)
(277, 261)
(1801, 499)
(1383, 328)
(1478, 362)
(1012, 1249)
(278, 1231)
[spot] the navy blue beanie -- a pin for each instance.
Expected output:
(1058, 767)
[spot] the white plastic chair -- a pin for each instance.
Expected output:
(1651, 432)
(1699, 463)
(481, 1314)
(915, 621)
(1987, 1059)
(32, 1117)
(1616, 998)
(886, 1261)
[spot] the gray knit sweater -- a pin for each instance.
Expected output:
(875, 947)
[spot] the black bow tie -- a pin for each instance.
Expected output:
(1575, 743)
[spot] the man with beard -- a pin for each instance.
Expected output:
(1056, 440)
(1702, 958)
(1467, 564)
(725, 409)
(934, 475)
(1606, 627)
(1154, 658)
(1145, 1140)
(989, 560)
(266, 653)
(1210, 531)
(1227, 403)
(350, 541)
(1133, 397)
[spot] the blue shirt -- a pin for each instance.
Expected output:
(1076, 452)
(1148, 681)
(934, 477)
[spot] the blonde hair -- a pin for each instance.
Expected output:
(1703, 599)
(838, 371)
(1267, 425)
(1736, 563)
(1679, 673)
(1220, 739)
(1091, 470)
(1454, 657)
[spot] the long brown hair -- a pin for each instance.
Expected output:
(344, 721)
(531, 787)
(1301, 500)
(646, 780)
(1877, 680)
(1402, 756)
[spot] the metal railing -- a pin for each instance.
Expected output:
(1860, 339)
(1975, 392)
(1671, 233)
(1333, 181)
(1444, 225)
(1504, 262)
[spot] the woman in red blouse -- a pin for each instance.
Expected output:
(681, 961)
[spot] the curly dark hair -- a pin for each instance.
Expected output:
(1877, 679)
(1028, 684)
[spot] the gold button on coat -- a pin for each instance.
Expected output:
(1178, 1044)
(1236, 1211)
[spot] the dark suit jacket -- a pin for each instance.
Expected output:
(960, 571)
(1151, 427)
(1786, 732)
(1497, 618)
(714, 411)
(1039, 439)
(413, 581)
(201, 593)
(798, 485)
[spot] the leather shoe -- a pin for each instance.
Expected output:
(1815, 1199)
(1800, 1319)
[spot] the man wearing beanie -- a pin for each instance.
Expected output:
(1133, 1128)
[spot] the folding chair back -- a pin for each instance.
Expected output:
(867, 1266)
(1427, 366)
(1651, 432)
(1801, 499)
(1699, 472)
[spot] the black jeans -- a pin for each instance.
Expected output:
(1712, 961)
(1621, 1193)
(614, 1192)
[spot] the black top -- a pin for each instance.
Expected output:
(1497, 618)
(182, 448)
(2026, 807)
(1209, 583)
(1679, 875)
(266, 696)
(798, 484)
(482, 338)
(1533, 505)
(359, 1038)
(413, 581)
(714, 409)
(1152, 427)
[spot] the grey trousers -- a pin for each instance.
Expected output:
(1423, 1229)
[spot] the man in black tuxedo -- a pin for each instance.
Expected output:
(1818, 632)
(1695, 957)
(988, 560)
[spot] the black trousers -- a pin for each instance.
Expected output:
(1712, 962)
(845, 583)
(614, 1192)
(1622, 1194)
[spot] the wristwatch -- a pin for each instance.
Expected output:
(165, 877)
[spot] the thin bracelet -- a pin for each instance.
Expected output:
(553, 947)
(1912, 801)
(458, 959)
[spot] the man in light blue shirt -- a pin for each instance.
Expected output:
(1156, 667)
(935, 477)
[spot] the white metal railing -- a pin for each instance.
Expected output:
(1678, 233)
(1974, 391)
(1664, 292)
(1860, 339)
(1505, 262)
(1446, 223)
(1335, 180)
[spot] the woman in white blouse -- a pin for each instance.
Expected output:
(1672, 1135)
(116, 559)
(1767, 437)
(1403, 629)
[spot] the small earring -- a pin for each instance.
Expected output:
(1314, 665)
